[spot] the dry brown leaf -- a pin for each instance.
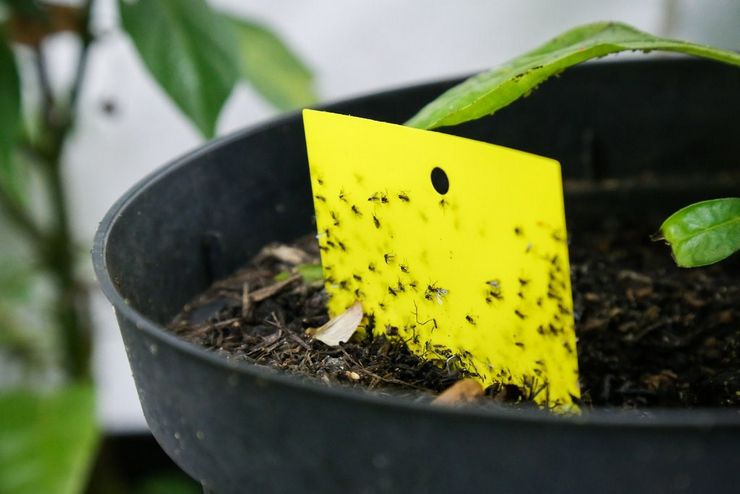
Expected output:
(341, 328)
(694, 301)
(286, 254)
(269, 291)
(630, 275)
(656, 381)
(725, 317)
(593, 324)
(463, 391)
(31, 31)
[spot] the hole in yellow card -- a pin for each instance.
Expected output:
(440, 181)
(458, 247)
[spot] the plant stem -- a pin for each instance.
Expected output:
(86, 38)
(47, 96)
(55, 243)
(20, 218)
(72, 299)
(71, 307)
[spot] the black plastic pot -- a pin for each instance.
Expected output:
(241, 428)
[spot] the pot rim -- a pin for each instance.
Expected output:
(653, 418)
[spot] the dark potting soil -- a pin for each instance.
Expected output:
(649, 334)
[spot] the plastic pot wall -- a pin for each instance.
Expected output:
(239, 428)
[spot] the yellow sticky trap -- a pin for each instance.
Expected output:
(474, 274)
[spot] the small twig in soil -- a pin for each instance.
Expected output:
(270, 290)
(297, 339)
(246, 302)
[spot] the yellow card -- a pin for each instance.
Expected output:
(456, 246)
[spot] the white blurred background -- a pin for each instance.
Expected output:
(353, 47)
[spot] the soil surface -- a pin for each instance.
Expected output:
(649, 334)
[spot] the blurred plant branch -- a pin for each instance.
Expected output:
(55, 245)
(195, 54)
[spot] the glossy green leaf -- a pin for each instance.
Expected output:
(47, 441)
(703, 233)
(189, 50)
(490, 91)
(271, 67)
(10, 113)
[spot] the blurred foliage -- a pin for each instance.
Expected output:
(33, 21)
(46, 440)
(167, 484)
(15, 342)
(10, 115)
(197, 55)
(189, 53)
(271, 67)
(29, 351)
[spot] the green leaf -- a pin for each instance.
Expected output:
(29, 346)
(490, 91)
(282, 276)
(25, 8)
(15, 280)
(309, 272)
(168, 483)
(10, 113)
(47, 441)
(189, 50)
(271, 67)
(703, 233)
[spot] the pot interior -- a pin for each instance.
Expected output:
(634, 138)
